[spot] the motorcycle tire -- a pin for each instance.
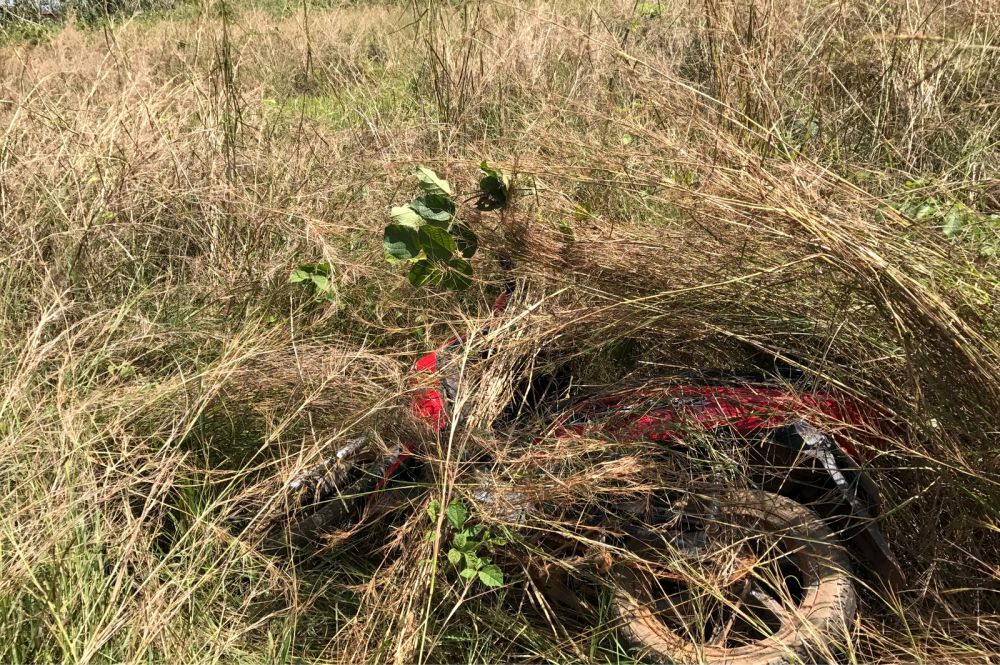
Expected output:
(803, 628)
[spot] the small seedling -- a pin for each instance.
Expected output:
(316, 278)
(956, 220)
(494, 187)
(426, 234)
(467, 542)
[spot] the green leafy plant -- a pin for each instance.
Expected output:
(425, 234)
(494, 188)
(316, 277)
(649, 10)
(956, 220)
(467, 543)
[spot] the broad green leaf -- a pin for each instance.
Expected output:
(434, 209)
(306, 272)
(927, 209)
(494, 173)
(423, 272)
(468, 573)
(465, 239)
(473, 561)
(456, 514)
(322, 282)
(955, 220)
(493, 188)
(454, 556)
(436, 243)
(491, 576)
(406, 216)
(431, 183)
(461, 541)
(459, 275)
(434, 509)
(322, 268)
(401, 242)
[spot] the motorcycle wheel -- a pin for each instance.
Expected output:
(766, 583)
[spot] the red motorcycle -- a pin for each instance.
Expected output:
(722, 572)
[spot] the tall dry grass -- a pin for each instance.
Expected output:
(709, 182)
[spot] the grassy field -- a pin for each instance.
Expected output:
(701, 183)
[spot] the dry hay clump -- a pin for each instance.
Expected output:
(702, 187)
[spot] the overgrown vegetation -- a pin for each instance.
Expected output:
(710, 183)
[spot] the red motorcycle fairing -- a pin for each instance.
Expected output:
(428, 404)
(809, 464)
(663, 413)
